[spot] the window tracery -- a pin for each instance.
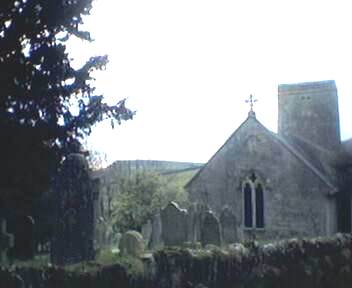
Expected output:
(253, 198)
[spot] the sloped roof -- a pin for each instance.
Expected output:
(222, 146)
(308, 157)
(311, 160)
(321, 158)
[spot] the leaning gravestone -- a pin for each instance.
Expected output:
(74, 229)
(6, 242)
(228, 225)
(174, 225)
(210, 230)
(131, 244)
(24, 237)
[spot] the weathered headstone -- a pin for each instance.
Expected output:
(116, 239)
(6, 242)
(156, 239)
(174, 225)
(100, 238)
(147, 232)
(24, 247)
(195, 217)
(228, 225)
(74, 229)
(210, 230)
(132, 244)
(192, 223)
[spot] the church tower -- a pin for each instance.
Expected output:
(310, 111)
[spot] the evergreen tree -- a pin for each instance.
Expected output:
(46, 106)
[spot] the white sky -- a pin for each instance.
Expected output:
(187, 67)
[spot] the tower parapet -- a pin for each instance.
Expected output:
(310, 111)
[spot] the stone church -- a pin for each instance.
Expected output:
(285, 184)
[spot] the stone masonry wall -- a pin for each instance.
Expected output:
(306, 263)
(310, 111)
(295, 198)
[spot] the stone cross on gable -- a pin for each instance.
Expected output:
(251, 102)
(6, 242)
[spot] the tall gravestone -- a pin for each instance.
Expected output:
(76, 195)
(195, 217)
(192, 223)
(156, 239)
(228, 225)
(210, 230)
(174, 225)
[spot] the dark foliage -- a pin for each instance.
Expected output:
(38, 90)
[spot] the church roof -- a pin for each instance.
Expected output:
(250, 115)
(307, 154)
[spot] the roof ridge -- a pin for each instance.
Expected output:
(285, 144)
(217, 151)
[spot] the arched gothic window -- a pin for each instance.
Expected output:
(253, 196)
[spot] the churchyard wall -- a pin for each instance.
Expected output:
(320, 262)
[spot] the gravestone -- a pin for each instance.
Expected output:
(6, 242)
(24, 247)
(174, 225)
(147, 232)
(116, 239)
(156, 239)
(192, 223)
(195, 217)
(228, 225)
(131, 244)
(210, 230)
(76, 195)
(100, 238)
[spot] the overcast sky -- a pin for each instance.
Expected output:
(187, 67)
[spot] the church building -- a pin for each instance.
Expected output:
(285, 184)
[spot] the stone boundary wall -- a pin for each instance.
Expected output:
(310, 263)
